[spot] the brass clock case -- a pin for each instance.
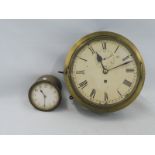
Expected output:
(69, 63)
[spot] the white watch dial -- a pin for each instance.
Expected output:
(44, 96)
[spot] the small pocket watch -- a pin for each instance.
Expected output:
(45, 93)
(104, 71)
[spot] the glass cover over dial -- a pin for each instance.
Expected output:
(104, 71)
(44, 96)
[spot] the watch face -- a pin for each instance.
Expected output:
(104, 71)
(44, 96)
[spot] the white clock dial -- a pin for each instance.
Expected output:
(44, 96)
(104, 72)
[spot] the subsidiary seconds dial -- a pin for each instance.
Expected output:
(104, 71)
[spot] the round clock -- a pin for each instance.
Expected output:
(104, 71)
(45, 94)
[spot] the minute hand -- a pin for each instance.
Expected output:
(120, 65)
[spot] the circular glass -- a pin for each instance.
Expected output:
(104, 72)
(104, 69)
(44, 96)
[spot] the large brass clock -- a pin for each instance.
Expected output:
(104, 71)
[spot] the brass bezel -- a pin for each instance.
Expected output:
(140, 67)
(52, 81)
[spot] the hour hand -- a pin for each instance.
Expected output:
(99, 58)
(43, 93)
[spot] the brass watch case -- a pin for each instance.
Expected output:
(140, 75)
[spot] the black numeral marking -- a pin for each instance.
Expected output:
(119, 93)
(91, 49)
(83, 84)
(93, 93)
(80, 72)
(82, 59)
(105, 96)
(127, 83)
(104, 45)
(129, 70)
(116, 49)
(127, 57)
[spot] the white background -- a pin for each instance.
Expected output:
(32, 48)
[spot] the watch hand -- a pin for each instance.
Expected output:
(99, 59)
(120, 65)
(42, 92)
(43, 96)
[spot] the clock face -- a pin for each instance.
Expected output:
(44, 96)
(104, 71)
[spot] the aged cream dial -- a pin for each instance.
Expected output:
(104, 71)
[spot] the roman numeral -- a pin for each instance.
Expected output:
(105, 96)
(104, 45)
(83, 84)
(82, 59)
(91, 49)
(93, 93)
(129, 70)
(127, 83)
(119, 93)
(116, 49)
(125, 58)
(80, 72)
